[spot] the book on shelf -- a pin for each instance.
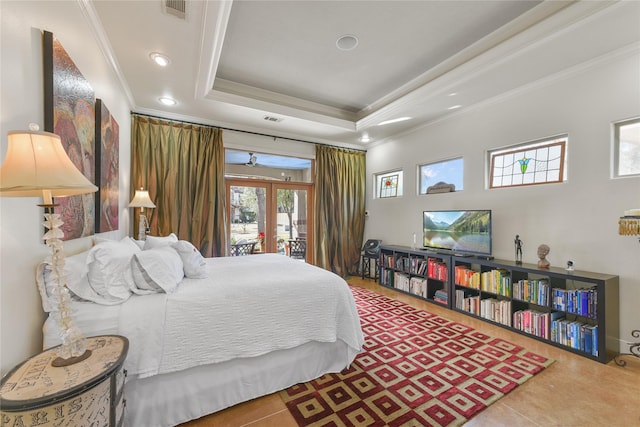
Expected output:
(436, 269)
(576, 335)
(441, 296)
(401, 281)
(470, 304)
(496, 310)
(418, 286)
(465, 276)
(532, 322)
(497, 281)
(583, 302)
(534, 291)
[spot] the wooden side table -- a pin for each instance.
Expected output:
(87, 393)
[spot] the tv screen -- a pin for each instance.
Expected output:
(465, 232)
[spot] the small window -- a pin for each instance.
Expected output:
(388, 184)
(538, 162)
(441, 177)
(626, 142)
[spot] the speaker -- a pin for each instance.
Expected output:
(371, 248)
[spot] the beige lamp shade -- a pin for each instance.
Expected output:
(141, 200)
(37, 165)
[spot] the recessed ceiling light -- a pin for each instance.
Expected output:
(453, 107)
(160, 59)
(347, 42)
(167, 101)
(453, 93)
(365, 138)
(399, 119)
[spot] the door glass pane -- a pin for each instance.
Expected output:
(291, 218)
(248, 215)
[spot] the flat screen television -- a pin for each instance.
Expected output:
(465, 232)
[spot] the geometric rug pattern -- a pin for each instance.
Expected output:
(416, 369)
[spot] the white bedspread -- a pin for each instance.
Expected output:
(249, 306)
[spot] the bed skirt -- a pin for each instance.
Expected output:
(174, 398)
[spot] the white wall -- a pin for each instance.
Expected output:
(578, 219)
(22, 102)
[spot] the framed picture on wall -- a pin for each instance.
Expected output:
(107, 169)
(69, 112)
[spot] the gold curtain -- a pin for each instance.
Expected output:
(182, 166)
(340, 205)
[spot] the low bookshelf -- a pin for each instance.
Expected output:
(573, 310)
(416, 272)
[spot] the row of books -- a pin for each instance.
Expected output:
(575, 334)
(401, 281)
(532, 322)
(470, 304)
(583, 302)
(534, 291)
(467, 277)
(418, 286)
(386, 277)
(388, 261)
(430, 267)
(497, 281)
(496, 310)
(437, 269)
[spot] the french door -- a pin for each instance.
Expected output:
(270, 214)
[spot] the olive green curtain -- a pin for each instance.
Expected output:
(339, 205)
(182, 166)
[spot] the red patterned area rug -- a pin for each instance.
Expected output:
(417, 369)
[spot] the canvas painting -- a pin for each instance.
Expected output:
(70, 113)
(107, 165)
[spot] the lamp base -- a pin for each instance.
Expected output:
(59, 362)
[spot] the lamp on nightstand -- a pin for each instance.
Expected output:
(37, 165)
(142, 200)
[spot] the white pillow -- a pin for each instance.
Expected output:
(157, 241)
(109, 266)
(193, 262)
(76, 270)
(157, 270)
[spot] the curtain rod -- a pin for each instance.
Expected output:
(247, 131)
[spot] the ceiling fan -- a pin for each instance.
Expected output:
(253, 160)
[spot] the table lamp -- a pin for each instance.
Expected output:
(36, 165)
(142, 200)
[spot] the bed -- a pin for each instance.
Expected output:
(236, 329)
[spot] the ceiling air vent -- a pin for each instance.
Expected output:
(272, 119)
(176, 8)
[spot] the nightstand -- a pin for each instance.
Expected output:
(87, 393)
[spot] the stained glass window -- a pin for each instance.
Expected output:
(540, 162)
(388, 184)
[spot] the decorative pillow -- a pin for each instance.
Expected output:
(109, 266)
(157, 241)
(157, 270)
(193, 262)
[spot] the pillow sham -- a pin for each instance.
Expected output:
(157, 241)
(193, 262)
(156, 270)
(74, 270)
(109, 269)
